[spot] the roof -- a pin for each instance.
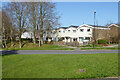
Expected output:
(117, 25)
(63, 27)
(74, 26)
(68, 27)
(99, 26)
(84, 25)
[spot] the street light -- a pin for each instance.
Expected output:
(94, 30)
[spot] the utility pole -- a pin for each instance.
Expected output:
(94, 30)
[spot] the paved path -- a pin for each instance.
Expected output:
(58, 51)
(111, 46)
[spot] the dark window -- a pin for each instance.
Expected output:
(68, 30)
(81, 30)
(54, 32)
(87, 38)
(59, 31)
(88, 30)
(74, 30)
(63, 38)
(74, 39)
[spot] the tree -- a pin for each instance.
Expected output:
(18, 12)
(33, 17)
(39, 17)
(43, 18)
(6, 29)
(48, 17)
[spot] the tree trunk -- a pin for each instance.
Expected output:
(5, 44)
(20, 46)
(39, 41)
(11, 36)
(41, 17)
(34, 38)
(4, 36)
(20, 43)
(12, 42)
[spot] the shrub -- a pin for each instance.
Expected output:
(28, 39)
(102, 41)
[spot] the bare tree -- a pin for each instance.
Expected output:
(48, 17)
(43, 18)
(34, 12)
(18, 13)
(6, 28)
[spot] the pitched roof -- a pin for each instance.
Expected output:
(68, 27)
(118, 25)
(74, 26)
(63, 27)
(99, 26)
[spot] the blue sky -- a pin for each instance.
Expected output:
(77, 13)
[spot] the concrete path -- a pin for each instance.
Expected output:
(58, 51)
(111, 46)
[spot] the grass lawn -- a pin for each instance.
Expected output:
(31, 46)
(101, 48)
(60, 65)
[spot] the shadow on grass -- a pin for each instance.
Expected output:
(6, 52)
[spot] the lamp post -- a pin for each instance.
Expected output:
(94, 30)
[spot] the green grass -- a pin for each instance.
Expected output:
(60, 65)
(31, 46)
(101, 48)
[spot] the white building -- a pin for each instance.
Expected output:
(82, 34)
(27, 35)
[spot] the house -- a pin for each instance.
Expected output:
(82, 34)
(27, 35)
(114, 33)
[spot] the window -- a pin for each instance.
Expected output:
(63, 38)
(81, 30)
(74, 39)
(59, 31)
(54, 39)
(68, 30)
(74, 30)
(88, 30)
(80, 38)
(87, 38)
(54, 32)
(63, 31)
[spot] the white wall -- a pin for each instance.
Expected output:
(76, 34)
(27, 35)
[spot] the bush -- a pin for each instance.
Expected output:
(102, 41)
(28, 40)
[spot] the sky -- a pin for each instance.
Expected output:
(78, 13)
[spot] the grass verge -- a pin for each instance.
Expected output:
(101, 48)
(31, 46)
(60, 65)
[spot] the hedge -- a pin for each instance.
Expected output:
(102, 41)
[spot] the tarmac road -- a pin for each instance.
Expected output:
(57, 51)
